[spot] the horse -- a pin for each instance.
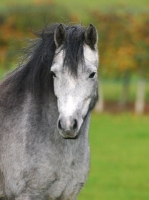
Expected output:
(45, 109)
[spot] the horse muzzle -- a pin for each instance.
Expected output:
(68, 127)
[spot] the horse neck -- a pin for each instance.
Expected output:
(43, 108)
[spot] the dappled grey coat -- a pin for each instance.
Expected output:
(45, 108)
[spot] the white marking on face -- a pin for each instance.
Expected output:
(69, 106)
(72, 83)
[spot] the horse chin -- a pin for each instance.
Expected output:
(69, 135)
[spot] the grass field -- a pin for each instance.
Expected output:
(119, 158)
(112, 90)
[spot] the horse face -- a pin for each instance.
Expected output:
(76, 95)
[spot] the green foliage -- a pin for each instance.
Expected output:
(119, 158)
(123, 42)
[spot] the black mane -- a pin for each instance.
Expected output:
(35, 75)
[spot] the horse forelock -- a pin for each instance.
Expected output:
(73, 46)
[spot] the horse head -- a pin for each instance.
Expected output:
(74, 71)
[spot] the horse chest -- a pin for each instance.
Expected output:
(60, 177)
(68, 183)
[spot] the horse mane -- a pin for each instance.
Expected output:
(35, 75)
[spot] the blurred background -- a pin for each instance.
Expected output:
(119, 133)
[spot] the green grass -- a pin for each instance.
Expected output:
(112, 90)
(119, 158)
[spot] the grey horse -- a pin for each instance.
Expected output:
(45, 108)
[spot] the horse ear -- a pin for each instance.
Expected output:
(59, 35)
(91, 36)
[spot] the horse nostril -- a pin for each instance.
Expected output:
(75, 124)
(59, 125)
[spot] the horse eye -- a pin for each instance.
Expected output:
(92, 75)
(53, 75)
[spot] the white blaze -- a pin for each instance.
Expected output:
(69, 106)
